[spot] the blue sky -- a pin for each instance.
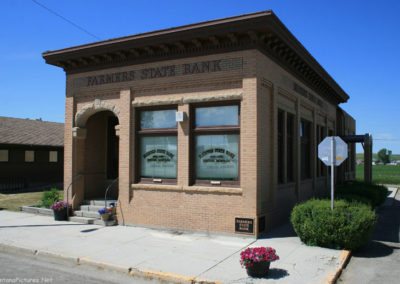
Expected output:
(357, 42)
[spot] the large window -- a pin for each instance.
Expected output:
(157, 143)
(305, 136)
(281, 146)
(321, 168)
(290, 147)
(216, 144)
(285, 146)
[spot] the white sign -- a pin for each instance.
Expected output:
(332, 151)
(179, 116)
(325, 151)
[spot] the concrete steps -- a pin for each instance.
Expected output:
(88, 213)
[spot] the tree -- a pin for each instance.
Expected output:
(384, 156)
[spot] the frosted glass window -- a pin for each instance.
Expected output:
(217, 157)
(29, 156)
(53, 156)
(217, 116)
(3, 155)
(158, 119)
(158, 157)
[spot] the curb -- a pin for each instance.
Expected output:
(134, 272)
(332, 277)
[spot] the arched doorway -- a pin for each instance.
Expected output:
(101, 155)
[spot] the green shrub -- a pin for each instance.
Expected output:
(354, 198)
(376, 194)
(348, 226)
(49, 197)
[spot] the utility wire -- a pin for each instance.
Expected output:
(65, 19)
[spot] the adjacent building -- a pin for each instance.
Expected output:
(208, 127)
(31, 153)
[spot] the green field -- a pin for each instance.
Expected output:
(387, 174)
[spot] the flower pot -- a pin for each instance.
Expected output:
(105, 216)
(60, 215)
(259, 269)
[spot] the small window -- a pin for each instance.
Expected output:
(3, 155)
(216, 145)
(53, 156)
(29, 156)
(217, 116)
(157, 135)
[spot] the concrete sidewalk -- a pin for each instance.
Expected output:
(167, 255)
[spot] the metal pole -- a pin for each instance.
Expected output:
(73, 180)
(333, 158)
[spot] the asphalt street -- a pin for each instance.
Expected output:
(379, 261)
(16, 268)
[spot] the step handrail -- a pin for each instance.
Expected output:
(105, 195)
(73, 180)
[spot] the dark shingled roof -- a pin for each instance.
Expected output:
(31, 132)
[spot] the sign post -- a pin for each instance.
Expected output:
(332, 151)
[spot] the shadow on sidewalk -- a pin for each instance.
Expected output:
(33, 226)
(283, 231)
(387, 230)
(277, 273)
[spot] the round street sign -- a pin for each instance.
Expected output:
(325, 150)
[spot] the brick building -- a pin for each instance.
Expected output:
(209, 127)
(31, 153)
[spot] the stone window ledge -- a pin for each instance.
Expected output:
(193, 189)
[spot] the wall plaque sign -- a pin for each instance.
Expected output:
(244, 225)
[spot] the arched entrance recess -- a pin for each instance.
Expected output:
(100, 151)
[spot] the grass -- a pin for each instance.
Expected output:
(386, 174)
(14, 201)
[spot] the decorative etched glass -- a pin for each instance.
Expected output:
(158, 157)
(217, 157)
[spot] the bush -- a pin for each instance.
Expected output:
(49, 197)
(348, 226)
(361, 191)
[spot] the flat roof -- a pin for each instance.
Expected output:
(261, 30)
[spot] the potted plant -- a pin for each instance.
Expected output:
(60, 210)
(257, 260)
(112, 208)
(105, 213)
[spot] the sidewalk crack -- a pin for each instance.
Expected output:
(219, 262)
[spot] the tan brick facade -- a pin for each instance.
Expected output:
(263, 88)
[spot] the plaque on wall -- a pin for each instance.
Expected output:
(244, 225)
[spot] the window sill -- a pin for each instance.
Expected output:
(213, 189)
(151, 186)
(192, 189)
